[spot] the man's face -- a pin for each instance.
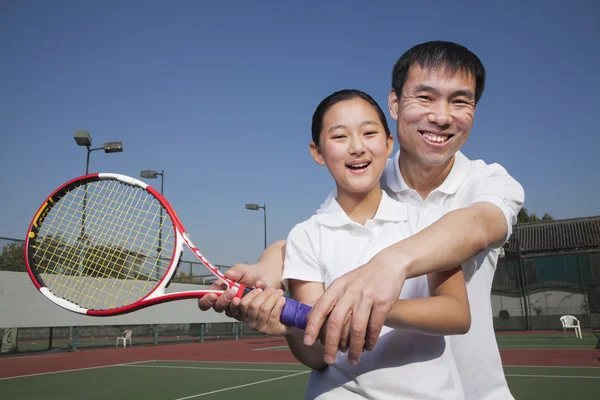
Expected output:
(434, 114)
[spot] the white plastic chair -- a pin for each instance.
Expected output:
(570, 322)
(125, 338)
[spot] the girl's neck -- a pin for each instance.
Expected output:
(360, 207)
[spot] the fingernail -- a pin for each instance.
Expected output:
(308, 340)
(328, 359)
(352, 361)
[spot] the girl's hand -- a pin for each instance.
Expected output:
(261, 310)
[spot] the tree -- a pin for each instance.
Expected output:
(12, 257)
(547, 217)
(113, 261)
(524, 217)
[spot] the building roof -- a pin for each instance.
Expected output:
(555, 236)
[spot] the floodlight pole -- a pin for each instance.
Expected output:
(256, 207)
(83, 138)
(87, 163)
(151, 174)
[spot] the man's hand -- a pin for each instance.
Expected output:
(368, 293)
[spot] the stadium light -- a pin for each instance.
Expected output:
(83, 138)
(256, 207)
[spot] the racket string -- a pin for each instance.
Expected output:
(114, 250)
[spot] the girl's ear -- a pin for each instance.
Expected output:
(316, 154)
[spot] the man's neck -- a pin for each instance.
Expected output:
(360, 208)
(423, 178)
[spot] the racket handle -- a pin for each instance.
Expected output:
(293, 312)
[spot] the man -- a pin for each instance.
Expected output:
(467, 209)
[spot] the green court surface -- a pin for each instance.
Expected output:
(174, 380)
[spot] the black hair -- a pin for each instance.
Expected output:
(436, 54)
(333, 99)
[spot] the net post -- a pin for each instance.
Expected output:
(74, 338)
(50, 338)
(155, 329)
(235, 330)
(201, 333)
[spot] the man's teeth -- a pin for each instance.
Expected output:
(435, 138)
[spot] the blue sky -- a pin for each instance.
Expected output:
(221, 96)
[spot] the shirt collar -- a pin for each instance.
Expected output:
(395, 181)
(389, 210)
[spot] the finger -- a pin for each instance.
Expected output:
(244, 274)
(224, 300)
(319, 312)
(358, 330)
(335, 323)
(266, 308)
(207, 301)
(278, 308)
(248, 306)
(376, 321)
(345, 336)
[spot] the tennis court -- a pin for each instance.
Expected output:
(537, 366)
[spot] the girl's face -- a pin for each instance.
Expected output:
(354, 146)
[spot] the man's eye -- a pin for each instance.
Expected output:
(424, 98)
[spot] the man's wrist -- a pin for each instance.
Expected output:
(400, 259)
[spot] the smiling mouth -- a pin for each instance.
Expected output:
(358, 166)
(436, 138)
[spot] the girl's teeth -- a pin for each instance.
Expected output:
(358, 165)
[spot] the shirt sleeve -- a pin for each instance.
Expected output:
(301, 260)
(502, 190)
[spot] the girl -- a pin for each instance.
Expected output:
(411, 360)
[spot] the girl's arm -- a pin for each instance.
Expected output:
(446, 312)
(311, 356)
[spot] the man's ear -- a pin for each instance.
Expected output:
(316, 154)
(390, 145)
(393, 104)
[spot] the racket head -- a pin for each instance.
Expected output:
(106, 244)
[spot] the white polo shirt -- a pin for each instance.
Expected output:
(476, 353)
(404, 364)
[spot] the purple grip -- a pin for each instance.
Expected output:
(295, 313)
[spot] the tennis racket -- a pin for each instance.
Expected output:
(108, 244)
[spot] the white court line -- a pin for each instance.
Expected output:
(241, 386)
(228, 362)
(271, 348)
(75, 369)
(213, 369)
(548, 366)
(554, 376)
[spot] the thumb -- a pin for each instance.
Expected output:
(242, 273)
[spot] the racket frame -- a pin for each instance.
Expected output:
(157, 294)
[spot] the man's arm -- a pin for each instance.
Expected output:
(371, 290)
